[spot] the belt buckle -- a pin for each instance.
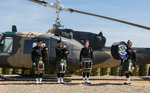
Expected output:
(40, 57)
(62, 59)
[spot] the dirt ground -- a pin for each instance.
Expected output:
(99, 84)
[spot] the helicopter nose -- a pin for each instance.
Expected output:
(3, 60)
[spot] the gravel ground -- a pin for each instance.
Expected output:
(103, 84)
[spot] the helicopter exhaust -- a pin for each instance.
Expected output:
(14, 28)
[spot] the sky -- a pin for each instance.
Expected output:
(30, 17)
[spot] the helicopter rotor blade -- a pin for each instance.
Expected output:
(59, 7)
(38, 2)
(56, 5)
(44, 3)
(109, 18)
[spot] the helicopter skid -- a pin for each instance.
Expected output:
(20, 78)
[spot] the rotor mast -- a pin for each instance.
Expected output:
(57, 25)
(57, 5)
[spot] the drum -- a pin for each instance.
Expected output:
(119, 50)
(87, 64)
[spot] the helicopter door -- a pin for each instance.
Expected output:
(6, 47)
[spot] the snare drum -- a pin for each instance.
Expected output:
(86, 64)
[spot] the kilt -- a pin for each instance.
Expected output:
(61, 66)
(39, 64)
(128, 65)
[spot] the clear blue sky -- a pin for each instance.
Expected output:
(30, 17)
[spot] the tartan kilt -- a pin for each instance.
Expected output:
(61, 66)
(128, 65)
(40, 66)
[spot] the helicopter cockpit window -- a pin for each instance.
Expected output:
(1, 46)
(6, 45)
(0, 36)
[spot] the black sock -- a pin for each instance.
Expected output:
(88, 74)
(127, 75)
(130, 73)
(41, 75)
(58, 75)
(36, 75)
(62, 75)
(83, 74)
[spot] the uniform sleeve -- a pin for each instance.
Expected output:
(121, 62)
(33, 55)
(91, 54)
(134, 59)
(44, 54)
(67, 50)
(80, 55)
(56, 51)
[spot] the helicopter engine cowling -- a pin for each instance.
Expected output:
(100, 41)
(67, 33)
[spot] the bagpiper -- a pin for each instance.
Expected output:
(37, 59)
(61, 64)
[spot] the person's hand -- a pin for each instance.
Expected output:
(136, 66)
(65, 46)
(121, 67)
(46, 49)
(34, 64)
(66, 52)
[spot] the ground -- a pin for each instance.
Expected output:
(99, 84)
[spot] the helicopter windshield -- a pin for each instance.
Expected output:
(6, 45)
(0, 36)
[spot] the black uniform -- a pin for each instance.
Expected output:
(60, 52)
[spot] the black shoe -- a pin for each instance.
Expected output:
(36, 83)
(84, 82)
(127, 83)
(88, 82)
(62, 83)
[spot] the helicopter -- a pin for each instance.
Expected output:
(16, 47)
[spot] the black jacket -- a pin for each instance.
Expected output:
(36, 52)
(86, 53)
(131, 55)
(60, 52)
